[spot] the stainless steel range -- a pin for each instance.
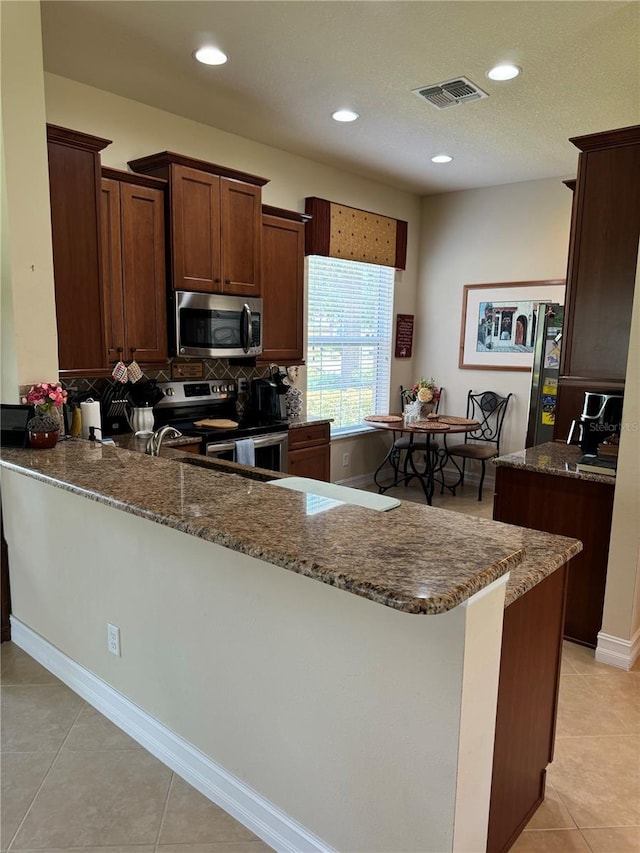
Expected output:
(256, 440)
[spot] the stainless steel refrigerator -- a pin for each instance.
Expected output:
(544, 373)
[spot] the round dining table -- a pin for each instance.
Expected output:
(435, 458)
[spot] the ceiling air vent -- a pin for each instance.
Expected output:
(450, 93)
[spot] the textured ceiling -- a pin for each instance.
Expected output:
(291, 64)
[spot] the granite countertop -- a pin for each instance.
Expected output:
(414, 558)
(554, 458)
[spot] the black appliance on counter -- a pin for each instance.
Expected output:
(184, 403)
(267, 401)
(13, 424)
(601, 419)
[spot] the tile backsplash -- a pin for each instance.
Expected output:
(215, 368)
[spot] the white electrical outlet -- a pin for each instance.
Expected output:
(113, 639)
(243, 386)
(345, 460)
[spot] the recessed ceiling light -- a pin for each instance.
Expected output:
(441, 158)
(345, 115)
(504, 71)
(210, 56)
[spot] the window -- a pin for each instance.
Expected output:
(348, 341)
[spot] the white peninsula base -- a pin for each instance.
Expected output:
(319, 719)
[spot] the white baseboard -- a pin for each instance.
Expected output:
(248, 807)
(618, 652)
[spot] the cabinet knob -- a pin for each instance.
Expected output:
(217, 280)
(227, 281)
(133, 349)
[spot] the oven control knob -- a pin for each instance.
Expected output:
(214, 389)
(170, 392)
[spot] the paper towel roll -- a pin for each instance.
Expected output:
(91, 418)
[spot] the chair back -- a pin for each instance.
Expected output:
(489, 409)
(403, 402)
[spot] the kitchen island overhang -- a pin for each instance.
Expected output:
(352, 725)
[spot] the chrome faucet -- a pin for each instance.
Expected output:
(154, 442)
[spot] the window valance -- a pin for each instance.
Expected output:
(339, 231)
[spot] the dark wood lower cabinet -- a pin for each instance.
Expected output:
(527, 708)
(572, 507)
(310, 451)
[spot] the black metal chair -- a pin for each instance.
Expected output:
(489, 409)
(403, 444)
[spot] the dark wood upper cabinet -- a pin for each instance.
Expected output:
(74, 185)
(283, 285)
(133, 256)
(241, 237)
(603, 250)
(215, 224)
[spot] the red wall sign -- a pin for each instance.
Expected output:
(404, 335)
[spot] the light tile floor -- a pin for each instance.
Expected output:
(72, 781)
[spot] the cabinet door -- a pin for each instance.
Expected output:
(314, 462)
(195, 230)
(112, 270)
(603, 263)
(282, 290)
(569, 507)
(241, 237)
(143, 273)
(74, 183)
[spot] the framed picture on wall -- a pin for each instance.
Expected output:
(499, 323)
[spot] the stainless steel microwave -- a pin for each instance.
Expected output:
(214, 325)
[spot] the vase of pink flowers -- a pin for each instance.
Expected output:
(47, 399)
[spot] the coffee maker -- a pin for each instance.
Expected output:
(266, 402)
(601, 419)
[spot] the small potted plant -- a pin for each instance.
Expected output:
(47, 398)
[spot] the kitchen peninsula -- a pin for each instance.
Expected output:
(328, 676)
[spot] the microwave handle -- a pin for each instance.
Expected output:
(245, 328)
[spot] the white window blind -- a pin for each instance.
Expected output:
(349, 341)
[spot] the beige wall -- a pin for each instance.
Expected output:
(29, 338)
(515, 232)
(622, 597)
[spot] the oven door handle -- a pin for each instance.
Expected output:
(219, 447)
(259, 441)
(270, 439)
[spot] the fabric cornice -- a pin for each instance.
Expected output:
(339, 231)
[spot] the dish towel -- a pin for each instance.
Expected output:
(245, 452)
